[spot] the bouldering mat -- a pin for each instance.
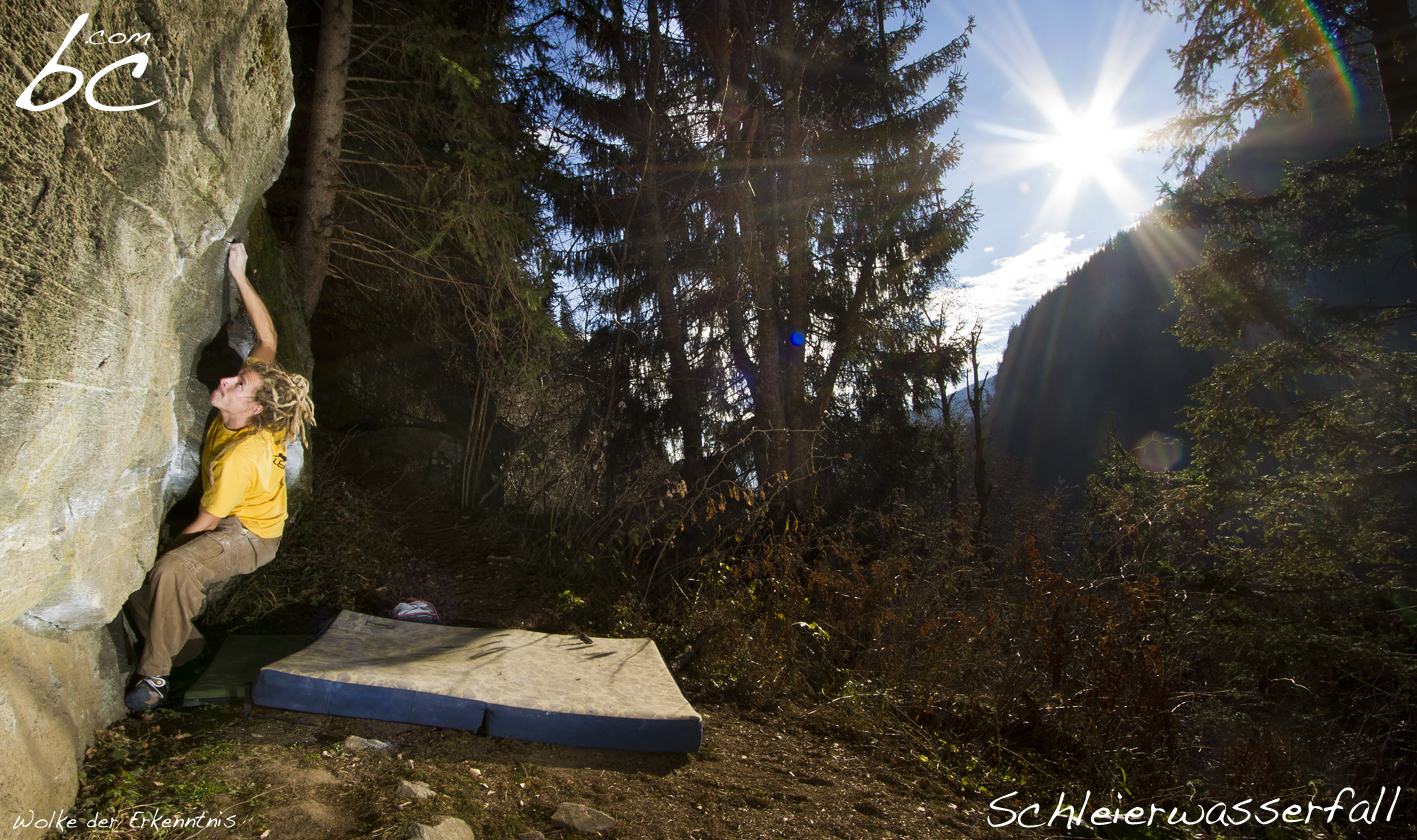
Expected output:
(573, 690)
(236, 666)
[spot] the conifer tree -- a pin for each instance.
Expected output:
(434, 227)
(794, 182)
(1276, 49)
(1304, 436)
(629, 116)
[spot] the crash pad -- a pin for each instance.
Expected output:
(236, 666)
(573, 690)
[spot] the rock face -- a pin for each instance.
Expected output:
(111, 280)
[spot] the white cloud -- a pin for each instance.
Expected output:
(1001, 297)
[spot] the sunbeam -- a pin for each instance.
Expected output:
(1081, 146)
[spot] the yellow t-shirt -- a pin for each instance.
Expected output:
(248, 480)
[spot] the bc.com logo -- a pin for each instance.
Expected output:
(138, 60)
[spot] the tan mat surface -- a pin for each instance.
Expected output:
(537, 686)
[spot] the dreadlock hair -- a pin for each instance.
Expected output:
(286, 409)
(284, 398)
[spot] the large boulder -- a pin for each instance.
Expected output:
(111, 280)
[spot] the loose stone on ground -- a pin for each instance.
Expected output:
(358, 744)
(417, 790)
(451, 828)
(581, 818)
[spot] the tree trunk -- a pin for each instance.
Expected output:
(769, 419)
(796, 207)
(684, 410)
(954, 450)
(975, 395)
(315, 223)
(1395, 40)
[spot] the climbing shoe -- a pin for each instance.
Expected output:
(146, 694)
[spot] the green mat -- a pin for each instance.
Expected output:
(236, 665)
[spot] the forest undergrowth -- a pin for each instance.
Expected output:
(1069, 661)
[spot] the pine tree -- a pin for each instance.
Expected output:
(1276, 49)
(630, 111)
(793, 182)
(434, 303)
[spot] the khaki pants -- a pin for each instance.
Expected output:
(163, 609)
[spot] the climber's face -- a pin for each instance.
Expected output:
(234, 398)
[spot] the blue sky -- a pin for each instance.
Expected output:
(1051, 194)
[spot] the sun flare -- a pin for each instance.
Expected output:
(1088, 145)
(1079, 146)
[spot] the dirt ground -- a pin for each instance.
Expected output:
(288, 775)
(278, 774)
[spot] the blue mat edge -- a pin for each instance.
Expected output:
(280, 690)
(397, 705)
(595, 731)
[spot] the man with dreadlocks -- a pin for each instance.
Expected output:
(242, 513)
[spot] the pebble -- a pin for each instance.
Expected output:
(531, 835)
(581, 818)
(417, 790)
(358, 744)
(451, 828)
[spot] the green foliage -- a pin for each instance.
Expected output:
(900, 431)
(760, 210)
(1238, 626)
(1272, 51)
(1306, 438)
(1289, 535)
(436, 293)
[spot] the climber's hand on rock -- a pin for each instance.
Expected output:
(236, 261)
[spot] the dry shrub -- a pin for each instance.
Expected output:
(1262, 763)
(1046, 667)
(887, 622)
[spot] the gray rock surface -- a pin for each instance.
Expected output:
(111, 279)
(451, 828)
(531, 835)
(57, 689)
(579, 817)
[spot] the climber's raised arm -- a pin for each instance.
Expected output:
(265, 348)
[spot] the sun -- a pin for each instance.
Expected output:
(1088, 145)
(1083, 149)
(1080, 146)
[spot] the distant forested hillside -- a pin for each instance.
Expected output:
(1091, 360)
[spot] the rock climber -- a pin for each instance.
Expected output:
(243, 507)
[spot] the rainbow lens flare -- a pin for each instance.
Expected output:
(1158, 452)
